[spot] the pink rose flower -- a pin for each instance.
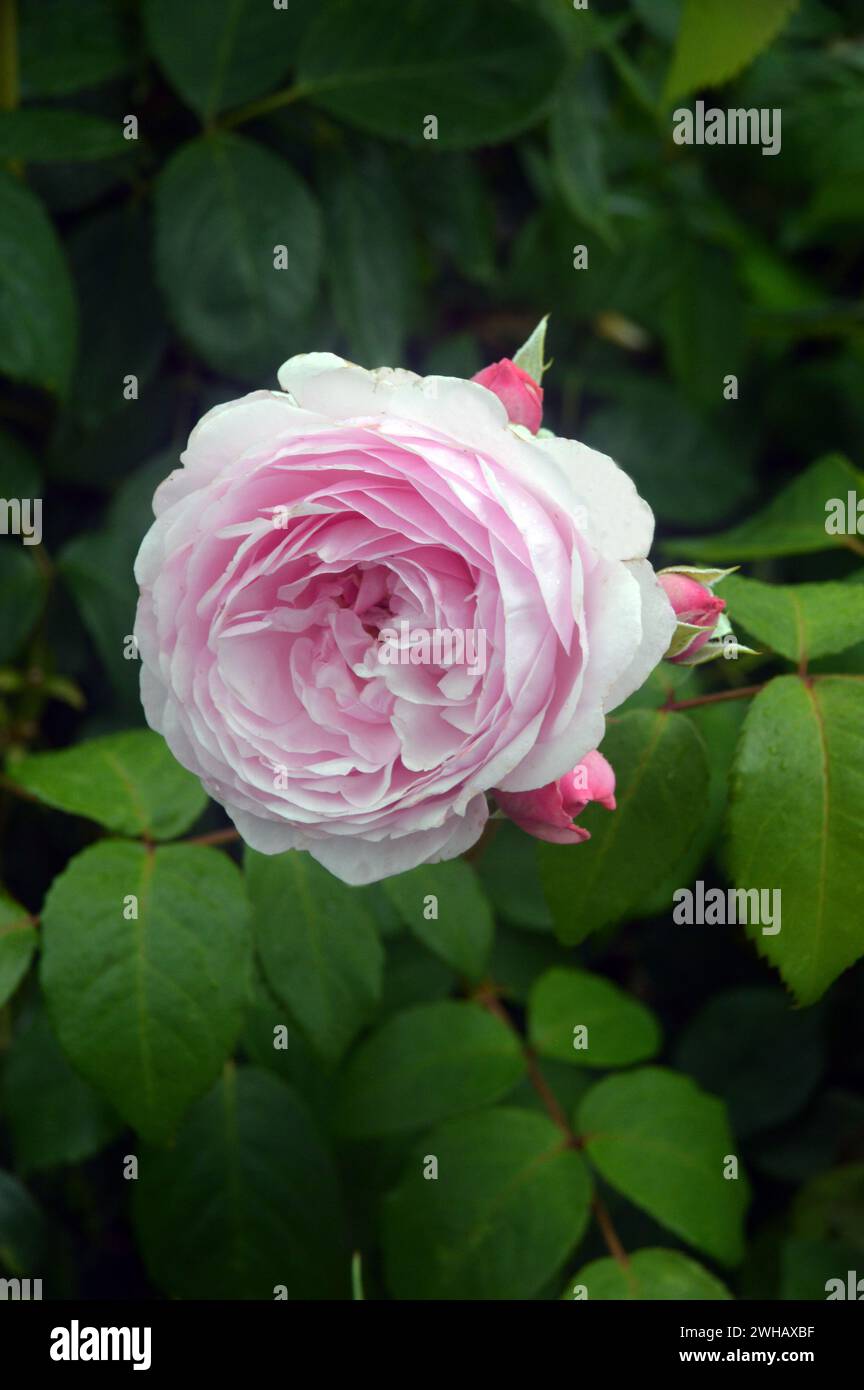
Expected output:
(303, 564)
(549, 812)
(518, 392)
(695, 605)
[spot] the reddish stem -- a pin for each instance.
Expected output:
(215, 837)
(741, 692)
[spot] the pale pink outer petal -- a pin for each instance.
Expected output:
(658, 625)
(618, 521)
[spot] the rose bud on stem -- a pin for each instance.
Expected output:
(703, 631)
(519, 393)
(516, 381)
(548, 812)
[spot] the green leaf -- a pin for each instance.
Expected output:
(412, 976)
(223, 207)
(67, 45)
(424, 1065)
(149, 1007)
(663, 1143)
(485, 70)
(461, 930)
(531, 356)
(37, 305)
(54, 1117)
(799, 621)
(96, 568)
(128, 782)
(370, 262)
(246, 1200)
(509, 870)
(619, 1030)
(318, 947)
(792, 524)
(796, 825)
(219, 53)
(720, 725)
(575, 134)
(661, 775)
(718, 38)
(272, 1040)
(22, 1229)
(508, 1205)
(17, 945)
(650, 1275)
(388, 921)
(59, 136)
(753, 1050)
(22, 594)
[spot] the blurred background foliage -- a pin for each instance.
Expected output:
(152, 257)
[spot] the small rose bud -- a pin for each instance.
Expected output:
(518, 392)
(695, 606)
(548, 812)
(698, 610)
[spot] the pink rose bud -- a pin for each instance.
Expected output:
(695, 606)
(518, 392)
(548, 813)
